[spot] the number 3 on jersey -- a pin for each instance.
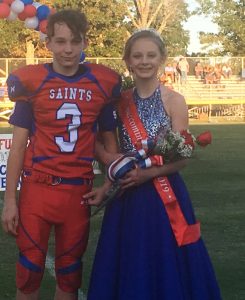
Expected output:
(66, 110)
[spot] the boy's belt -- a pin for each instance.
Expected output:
(40, 177)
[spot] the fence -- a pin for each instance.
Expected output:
(7, 65)
(217, 101)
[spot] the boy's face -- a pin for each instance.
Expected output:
(66, 49)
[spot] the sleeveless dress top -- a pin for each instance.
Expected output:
(152, 114)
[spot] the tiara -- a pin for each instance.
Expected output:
(151, 30)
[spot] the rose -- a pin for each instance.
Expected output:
(188, 138)
(204, 139)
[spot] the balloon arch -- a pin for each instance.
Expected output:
(33, 14)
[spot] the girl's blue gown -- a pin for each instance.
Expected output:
(137, 256)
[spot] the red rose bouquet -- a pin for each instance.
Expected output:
(173, 145)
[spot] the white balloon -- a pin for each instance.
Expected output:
(17, 6)
(31, 23)
(12, 16)
(36, 4)
(42, 36)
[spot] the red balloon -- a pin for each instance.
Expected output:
(22, 16)
(8, 1)
(4, 10)
(30, 10)
(43, 26)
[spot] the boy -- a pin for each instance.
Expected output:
(62, 101)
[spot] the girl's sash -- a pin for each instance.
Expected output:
(184, 233)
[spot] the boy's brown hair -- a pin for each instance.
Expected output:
(75, 20)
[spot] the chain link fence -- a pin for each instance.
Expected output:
(7, 65)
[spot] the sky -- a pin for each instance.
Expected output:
(196, 24)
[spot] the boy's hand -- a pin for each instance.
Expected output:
(10, 218)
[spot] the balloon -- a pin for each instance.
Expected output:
(30, 11)
(31, 23)
(17, 6)
(4, 10)
(36, 4)
(12, 16)
(26, 2)
(8, 1)
(43, 26)
(43, 12)
(22, 16)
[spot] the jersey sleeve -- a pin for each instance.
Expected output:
(107, 120)
(22, 115)
(16, 89)
(24, 82)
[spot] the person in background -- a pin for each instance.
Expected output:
(177, 72)
(169, 72)
(206, 70)
(210, 76)
(58, 106)
(150, 247)
(226, 71)
(199, 71)
(183, 65)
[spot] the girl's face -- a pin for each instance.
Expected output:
(145, 59)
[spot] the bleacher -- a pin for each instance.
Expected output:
(223, 101)
(227, 91)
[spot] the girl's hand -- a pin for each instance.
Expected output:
(136, 177)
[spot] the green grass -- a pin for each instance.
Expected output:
(216, 182)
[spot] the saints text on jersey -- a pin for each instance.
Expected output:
(70, 94)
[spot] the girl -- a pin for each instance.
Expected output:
(150, 246)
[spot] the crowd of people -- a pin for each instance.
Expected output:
(212, 74)
(178, 71)
(150, 246)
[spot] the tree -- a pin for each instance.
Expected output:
(166, 16)
(230, 17)
(15, 38)
(111, 23)
(155, 13)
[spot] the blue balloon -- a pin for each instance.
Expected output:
(26, 2)
(43, 12)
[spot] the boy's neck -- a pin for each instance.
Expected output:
(65, 71)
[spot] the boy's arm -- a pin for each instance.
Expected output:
(106, 147)
(14, 167)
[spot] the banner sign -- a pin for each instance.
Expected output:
(5, 144)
